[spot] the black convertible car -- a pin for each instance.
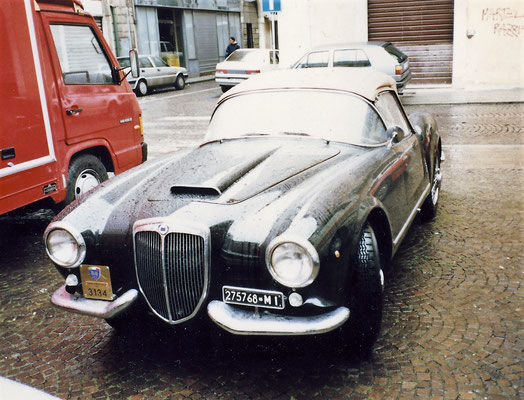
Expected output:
(282, 222)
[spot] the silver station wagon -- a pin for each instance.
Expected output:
(382, 56)
(154, 72)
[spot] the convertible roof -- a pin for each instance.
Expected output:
(363, 81)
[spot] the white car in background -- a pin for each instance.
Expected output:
(382, 56)
(154, 72)
(243, 63)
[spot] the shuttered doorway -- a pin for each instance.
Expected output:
(423, 29)
(206, 40)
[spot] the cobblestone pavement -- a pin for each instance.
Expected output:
(453, 317)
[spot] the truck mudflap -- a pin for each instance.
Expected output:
(144, 151)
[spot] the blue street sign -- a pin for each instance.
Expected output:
(271, 6)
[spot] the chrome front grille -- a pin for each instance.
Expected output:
(172, 268)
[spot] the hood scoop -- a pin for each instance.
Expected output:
(195, 190)
(215, 186)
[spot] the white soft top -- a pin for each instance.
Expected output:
(365, 82)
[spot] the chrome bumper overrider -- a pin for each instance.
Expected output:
(95, 308)
(243, 322)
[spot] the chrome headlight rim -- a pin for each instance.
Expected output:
(75, 234)
(299, 241)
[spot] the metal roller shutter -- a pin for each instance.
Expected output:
(423, 29)
(206, 40)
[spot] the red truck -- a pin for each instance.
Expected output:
(68, 115)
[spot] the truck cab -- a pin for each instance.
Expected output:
(67, 115)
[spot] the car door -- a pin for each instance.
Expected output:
(414, 170)
(148, 71)
(387, 185)
(166, 76)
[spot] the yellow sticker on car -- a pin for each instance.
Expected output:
(96, 282)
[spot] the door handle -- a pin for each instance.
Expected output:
(73, 111)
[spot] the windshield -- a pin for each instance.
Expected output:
(318, 113)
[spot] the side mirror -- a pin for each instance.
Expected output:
(133, 62)
(395, 134)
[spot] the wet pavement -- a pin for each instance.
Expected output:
(453, 321)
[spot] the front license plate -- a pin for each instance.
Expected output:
(252, 297)
(96, 282)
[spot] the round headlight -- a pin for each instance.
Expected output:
(292, 263)
(65, 248)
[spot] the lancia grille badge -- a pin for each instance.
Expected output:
(163, 229)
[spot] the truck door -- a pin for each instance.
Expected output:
(94, 106)
(26, 144)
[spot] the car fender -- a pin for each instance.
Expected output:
(425, 127)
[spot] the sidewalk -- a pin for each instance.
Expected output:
(414, 95)
(447, 95)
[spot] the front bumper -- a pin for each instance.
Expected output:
(401, 84)
(243, 322)
(95, 308)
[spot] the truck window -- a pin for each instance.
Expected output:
(82, 58)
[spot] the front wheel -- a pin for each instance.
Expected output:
(142, 88)
(85, 172)
(180, 82)
(429, 207)
(366, 296)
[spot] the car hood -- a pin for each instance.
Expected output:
(231, 171)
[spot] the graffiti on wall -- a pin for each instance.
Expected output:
(507, 22)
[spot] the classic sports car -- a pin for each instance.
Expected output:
(281, 222)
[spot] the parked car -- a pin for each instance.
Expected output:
(382, 56)
(154, 72)
(281, 222)
(244, 63)
(169, 54)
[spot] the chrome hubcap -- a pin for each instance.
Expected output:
(437, 178)
(86, 181)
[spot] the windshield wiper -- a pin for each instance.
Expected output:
(255, 134)
(295, 133)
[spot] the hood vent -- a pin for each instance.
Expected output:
(190, 190)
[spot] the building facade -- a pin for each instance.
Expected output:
(462, 43)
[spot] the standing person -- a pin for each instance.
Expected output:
(232, 46)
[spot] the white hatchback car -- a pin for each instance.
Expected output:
(382, 56)
(154, 72)
(243, 63)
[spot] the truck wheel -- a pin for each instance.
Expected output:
(225, 88)
(180, 82)
(429, 207)
(142, 89)
(366, 297)
(85, 172)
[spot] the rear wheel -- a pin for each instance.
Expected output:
(429, 207)
(142, 88)
(180, 82)
(85, 172)
(365, 302)
(225, 88)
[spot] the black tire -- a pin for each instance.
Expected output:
(85, 172)
(141, 88)
(180, 82)
(428, 211)
(225, 88)
(366, 297)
